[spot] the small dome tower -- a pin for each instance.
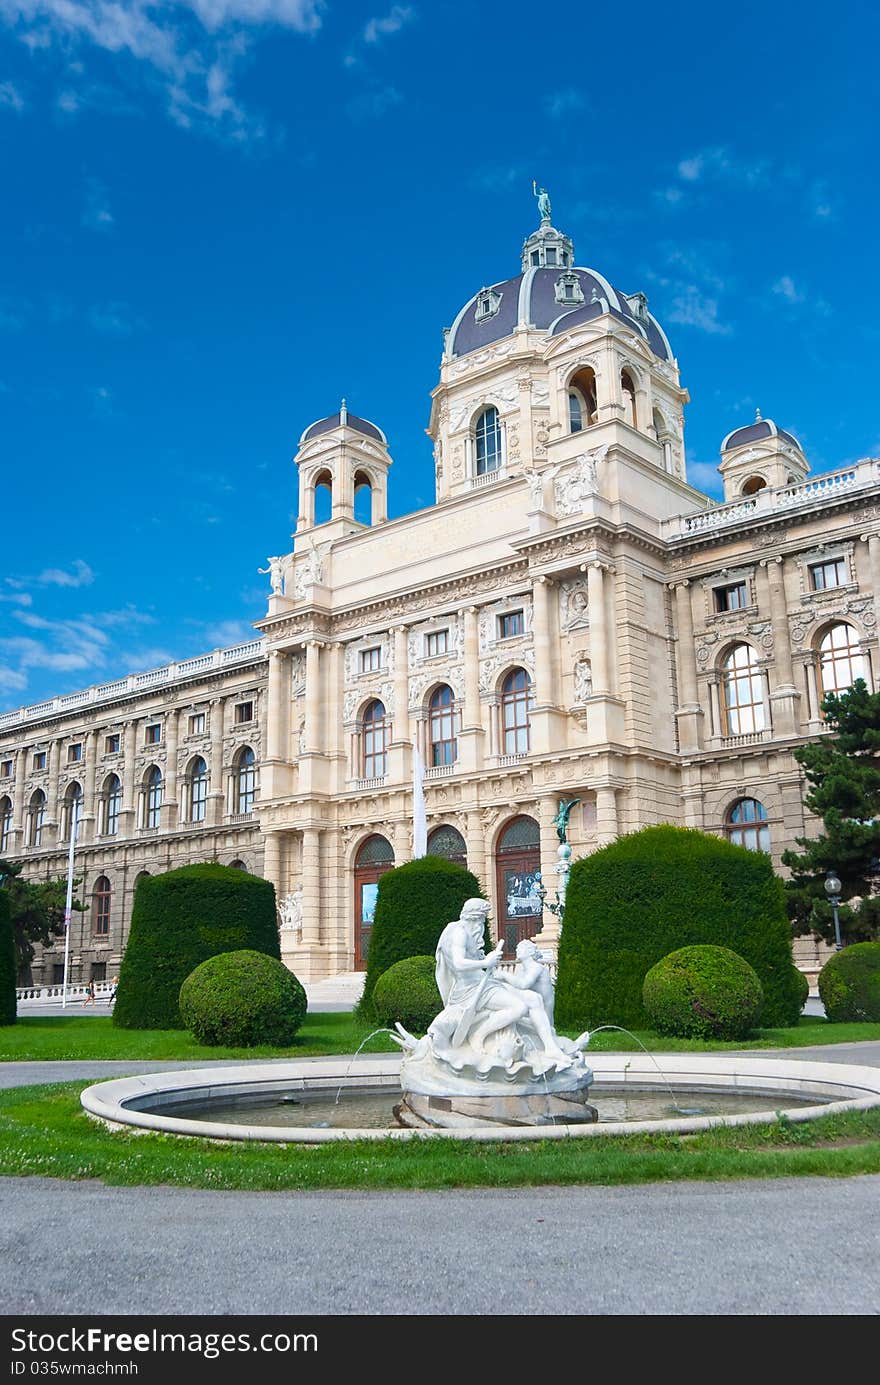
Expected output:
(758, 456)
(345, 456)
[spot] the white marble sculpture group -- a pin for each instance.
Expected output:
(495, 1036)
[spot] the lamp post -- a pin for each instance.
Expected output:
(833, 888)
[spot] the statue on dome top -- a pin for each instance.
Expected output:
(543, 197)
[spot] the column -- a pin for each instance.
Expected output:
(169, 816)
(606, 815)
(313, 696)
(784, 698)
(471, 735)
(598, 626)
(874, 558)
(128, 815)
(217, 794)
(311, 884)
(278, 705)
(18, 802)
(272, 861)
(689, 713)
(52, 828)
(545, 663)
(476, 849)
(89, 828)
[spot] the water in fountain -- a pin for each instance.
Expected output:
(682, 1110)
(381, 1030)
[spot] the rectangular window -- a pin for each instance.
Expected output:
(510, 624)
(732, 598)
(99, 971)
(551, 255)
(39, 759)
(437, 642)
(197, 723)
(371, 659)
(5, 769)
(57, 973)
(244, 711)
(74, 753)
(830, 574)
(153, 733)
(111, 744)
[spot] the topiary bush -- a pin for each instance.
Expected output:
(703, 992)
(802, 985)
(653, 892)
(242, 999)
(8, 964)
(414, 903)
(849, 984)
(408, 992)
(180, 919)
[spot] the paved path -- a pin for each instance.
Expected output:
(683, 1248)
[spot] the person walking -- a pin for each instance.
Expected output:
(90, 994)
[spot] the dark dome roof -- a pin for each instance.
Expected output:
(756, 432)
(360, 425)
(530, 300)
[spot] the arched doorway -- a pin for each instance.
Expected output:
(517, 873)
(448, 842)
(374, 857)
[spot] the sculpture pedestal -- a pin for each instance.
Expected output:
(468, 1112)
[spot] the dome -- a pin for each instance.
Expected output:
(552, 294)
(759, 431)
(343, 419)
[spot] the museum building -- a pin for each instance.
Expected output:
(570, 620)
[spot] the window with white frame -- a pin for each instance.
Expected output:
(510, 624)
(742, 682)
(370, 659)
(487, 442)
(198, 790)
(36, 818)
(831, 573)
(746, 825)
(733, 597)
(516, 705)
(245, 780)
(197, 723)
(5, 823)
(112, 805)
(443, 746)
(153, 797)
(436, 643)
(841, 660)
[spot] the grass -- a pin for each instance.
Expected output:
(94, 1037)
(44, 1132)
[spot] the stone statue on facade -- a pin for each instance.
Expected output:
(583, 680)
(291, 911)
(543, 197)
(276, 570)
(562, 815)
(494, 1038)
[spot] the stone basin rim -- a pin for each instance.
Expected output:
(849, 1087)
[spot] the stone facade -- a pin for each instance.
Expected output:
(571, 619)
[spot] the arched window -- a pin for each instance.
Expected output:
(753, 484)
(322, 498)
(443, 748)
(516, 704)
(743, 685)
(153, 797)
(448, 842)
(245, 780)
(374, 730)
(112, 805)
(101, 907)
(36, 818)
(628, 396)
(198, 790)
(841, 661)
(363, 498)
(487, 442)
(71, 808)
(374, 857)
(746, 825)
(5, 823)
(238, 865)
(582, 406)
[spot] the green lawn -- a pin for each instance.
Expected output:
(90, 1037)
(44, 1132)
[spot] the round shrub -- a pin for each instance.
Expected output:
(849, 984)
(802, 982)
(703, 992)
(408, 992)
(242, 999)
(647, 894)
(8, 963)
(414, 903)
(180, 919)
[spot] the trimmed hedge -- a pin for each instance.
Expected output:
(703, 992)
(653, 892)
(8, 963)
(408, 992)
(849, 984)
(180, 919)
(413, 905)
(802, 983)
(242, 999)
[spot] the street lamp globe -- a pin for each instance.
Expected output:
(833, 886)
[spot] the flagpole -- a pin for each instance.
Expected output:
(68, 907)
(420, 819)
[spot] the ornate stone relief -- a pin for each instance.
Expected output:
(574, 605)
(583, 680)
(578, 484)
(297, 676)
(491, 667)
(307, 571)
(488, 627)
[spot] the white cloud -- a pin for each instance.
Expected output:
(375, 102)
(12, 679)
(693, 308)
(560, 103)
(191, 47)
(97, 215)
(722, 164)
(704, 475)
(223, 633)
(17, 598)
(690, 169)
(785, 288)
(81, 576)
(10, 97)
(692, 289)
(391, 23)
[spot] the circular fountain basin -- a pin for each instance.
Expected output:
(762, 1087)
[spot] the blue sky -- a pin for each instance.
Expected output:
(222, 215)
